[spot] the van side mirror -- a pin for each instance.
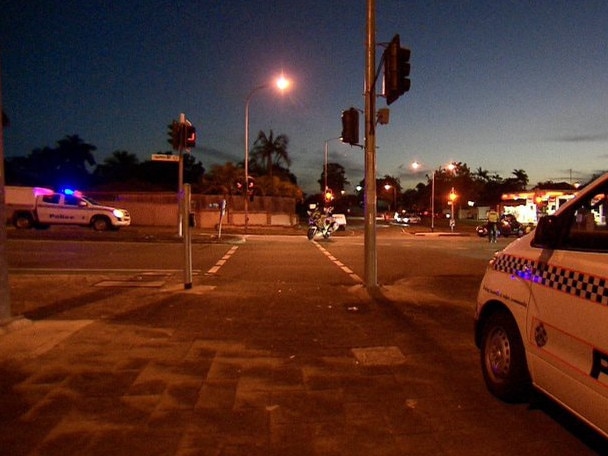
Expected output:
(547, 232)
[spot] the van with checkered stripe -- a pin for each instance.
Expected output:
(541, 320)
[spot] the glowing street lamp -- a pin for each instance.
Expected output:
(452, 197)
(387, 187)
(282, 83)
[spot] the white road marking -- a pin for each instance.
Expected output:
(222, 261)
(338, 263)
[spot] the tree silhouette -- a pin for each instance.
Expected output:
(269, 157)
(270, 153)
(521, 178)
(336, 178)
(222, 179)
(121, 166)
(64, 165)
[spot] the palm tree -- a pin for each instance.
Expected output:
(482, 174)
(122, 158)
(521, 178)
(64, 165)
(120, 166)
(75, 153)
(271, 152)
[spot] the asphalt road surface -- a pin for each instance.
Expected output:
(303, 300)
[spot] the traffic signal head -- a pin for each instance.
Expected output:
(328, 196)
(190, 137)
(182, 135)
(382, 116)
(350, 126)
(250, 187)
(396, 70)
(174, 135)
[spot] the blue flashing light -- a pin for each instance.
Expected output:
(70, 192)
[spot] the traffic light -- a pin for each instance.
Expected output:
(328, 196)
(382, 116)
(350, 126)
(182, 135)
(174, 135)
(190, 137)
(396, 70)
(250, 187)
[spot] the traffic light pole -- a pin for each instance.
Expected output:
(5, 301)
(187, 237)
(183, 210)
(180, 179)
(371, 262)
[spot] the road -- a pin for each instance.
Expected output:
(294, 296)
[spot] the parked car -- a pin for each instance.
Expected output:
(507, 226)
(38, 207)
(542, 310)
(340, 219)
(407, 218)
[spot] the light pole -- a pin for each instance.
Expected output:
(433, 203)
(282, 83)
(452, 198)
(450, 167)
(394, 187)
(415, 166)
(325, 161)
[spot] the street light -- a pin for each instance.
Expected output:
(282, 83)
(452, 198)
(387, 187)
(450, 167)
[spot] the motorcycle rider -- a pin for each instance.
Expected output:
(322, 222)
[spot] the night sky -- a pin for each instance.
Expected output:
(500, 85)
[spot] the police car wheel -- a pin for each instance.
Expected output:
(101, 224)
(503, 360)
(23, 221)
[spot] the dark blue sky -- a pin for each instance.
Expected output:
(500, 85)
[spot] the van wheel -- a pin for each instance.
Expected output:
(101, 224)
(23, 221)
(503, 360)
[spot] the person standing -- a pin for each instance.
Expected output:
(492, 225)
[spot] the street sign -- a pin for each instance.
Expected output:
(164, 157)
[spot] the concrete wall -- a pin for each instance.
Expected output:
(160, 209)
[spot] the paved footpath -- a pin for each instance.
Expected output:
(158, 370)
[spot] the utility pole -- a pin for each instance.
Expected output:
(371, 261)
(5, 301)
(180, 177)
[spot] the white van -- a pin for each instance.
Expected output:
(542, 310)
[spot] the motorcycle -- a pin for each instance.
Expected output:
(322, 223)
